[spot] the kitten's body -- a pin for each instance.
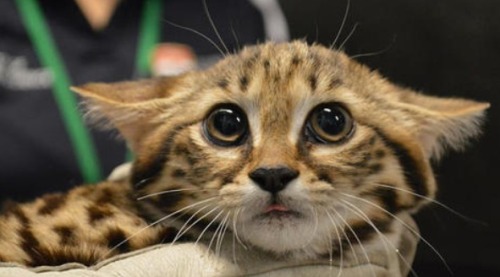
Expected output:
(294, 183)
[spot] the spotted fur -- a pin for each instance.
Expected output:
(381, 169)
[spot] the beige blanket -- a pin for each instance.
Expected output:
(391, 256)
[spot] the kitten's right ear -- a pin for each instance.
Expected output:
(127, 106)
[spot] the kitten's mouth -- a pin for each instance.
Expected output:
(277, 210)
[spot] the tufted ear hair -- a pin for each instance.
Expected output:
(444, 123)
(127, 106)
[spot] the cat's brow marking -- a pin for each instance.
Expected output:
(243, 81)
(223, 83)
(313, 82)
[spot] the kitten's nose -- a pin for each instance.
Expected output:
(273, 179)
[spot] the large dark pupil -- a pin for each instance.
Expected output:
(331, 121)
(227, 122)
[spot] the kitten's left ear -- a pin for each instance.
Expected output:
(444, 122)
(128, 106)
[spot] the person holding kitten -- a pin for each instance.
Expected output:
(46, 46)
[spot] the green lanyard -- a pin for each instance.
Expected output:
(38, 31)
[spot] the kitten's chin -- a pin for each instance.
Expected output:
(280, 232)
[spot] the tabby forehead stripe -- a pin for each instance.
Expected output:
(223, 83)
(314, 60)
(335, 82)
(313, 82)
(267, 65)
(293, 66)
(412, 173)
(243, 83)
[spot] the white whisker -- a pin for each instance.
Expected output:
(344, 234)
(384, 238)
(235, 228)
(316, 223)
(220, 238)
(348, 36)
(234, 249)
(181, 230)
(233, 32)
(219, 228)
(344, 19)
(166, 192)
(416, 233)
(365, 254)
(375, 53)
(330, 249)
(198, 33)
(160, 220)
(340, 247)
(198, 220)
(207, 12)
(141, 182)
(433, 201)
(208, 226)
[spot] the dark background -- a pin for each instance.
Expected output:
(445, 48)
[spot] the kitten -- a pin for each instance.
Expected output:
(293, 149)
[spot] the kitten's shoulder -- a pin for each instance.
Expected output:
(86, 224)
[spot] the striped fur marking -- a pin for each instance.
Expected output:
(52, 202)
(66, 234)
(146, 173)
(411, 168)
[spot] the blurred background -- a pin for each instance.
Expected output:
(445, 48)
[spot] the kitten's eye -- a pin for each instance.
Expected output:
(329, 123)
(226, 125)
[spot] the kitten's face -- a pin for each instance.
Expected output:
(290, 146)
